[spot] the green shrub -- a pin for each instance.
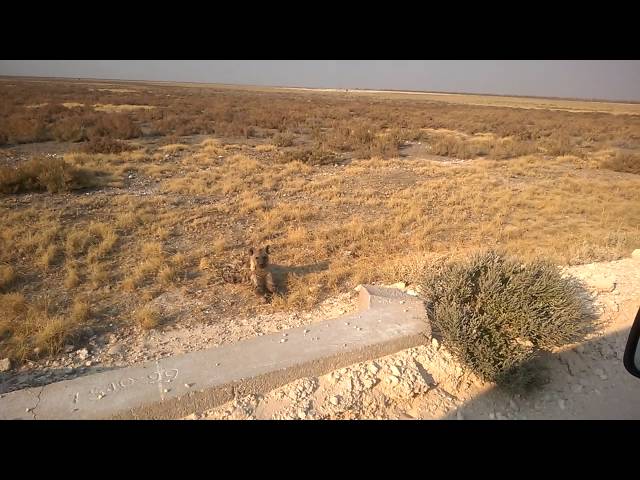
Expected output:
(497, 314)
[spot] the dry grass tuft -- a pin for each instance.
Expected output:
(148, 317)
(7, 277)
(71, 278)
(80, 311)
(41, 327)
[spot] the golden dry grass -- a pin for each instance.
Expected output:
(120, 108)
(148, 317)
(72, 104)
(169, 223)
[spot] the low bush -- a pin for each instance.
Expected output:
(497, 314)
(51, 174)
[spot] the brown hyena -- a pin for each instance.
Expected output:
(260, 272)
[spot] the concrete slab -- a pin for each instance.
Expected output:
(388, 320)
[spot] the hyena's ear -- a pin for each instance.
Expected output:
(266, 249)
(251, 251)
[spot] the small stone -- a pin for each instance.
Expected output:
(636, 254)
(400, 285)
(369, 383)
(5, 365)
(393, 380)
(88, 363)
(282, 340)
(373, 369)
(395, 370)
(334, 400)
(166, 390)
(115, 350)
(413, 293)
(28, 409)
(302, 414)
(217, 364)
(83, 353)
(188, 385)
(285, 334)
(346, 323)
(68, 348)
(434, 343)
(306, 331)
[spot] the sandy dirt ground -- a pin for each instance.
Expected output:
(585, 381)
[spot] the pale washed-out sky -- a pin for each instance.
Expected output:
(601, 79)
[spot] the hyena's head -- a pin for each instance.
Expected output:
(259, 257)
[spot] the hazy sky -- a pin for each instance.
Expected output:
(605, 79)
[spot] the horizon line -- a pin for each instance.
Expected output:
(390, 90)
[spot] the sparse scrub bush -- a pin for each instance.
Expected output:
(559, 145)
(71, 129)
(450, 146)
(53, 175)
(466, 148)
(497, 314)
(22, 129)
(283, 139)
(115, 125)
(7, 276)
(623, 162)
(317, 155)
(105, 145)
